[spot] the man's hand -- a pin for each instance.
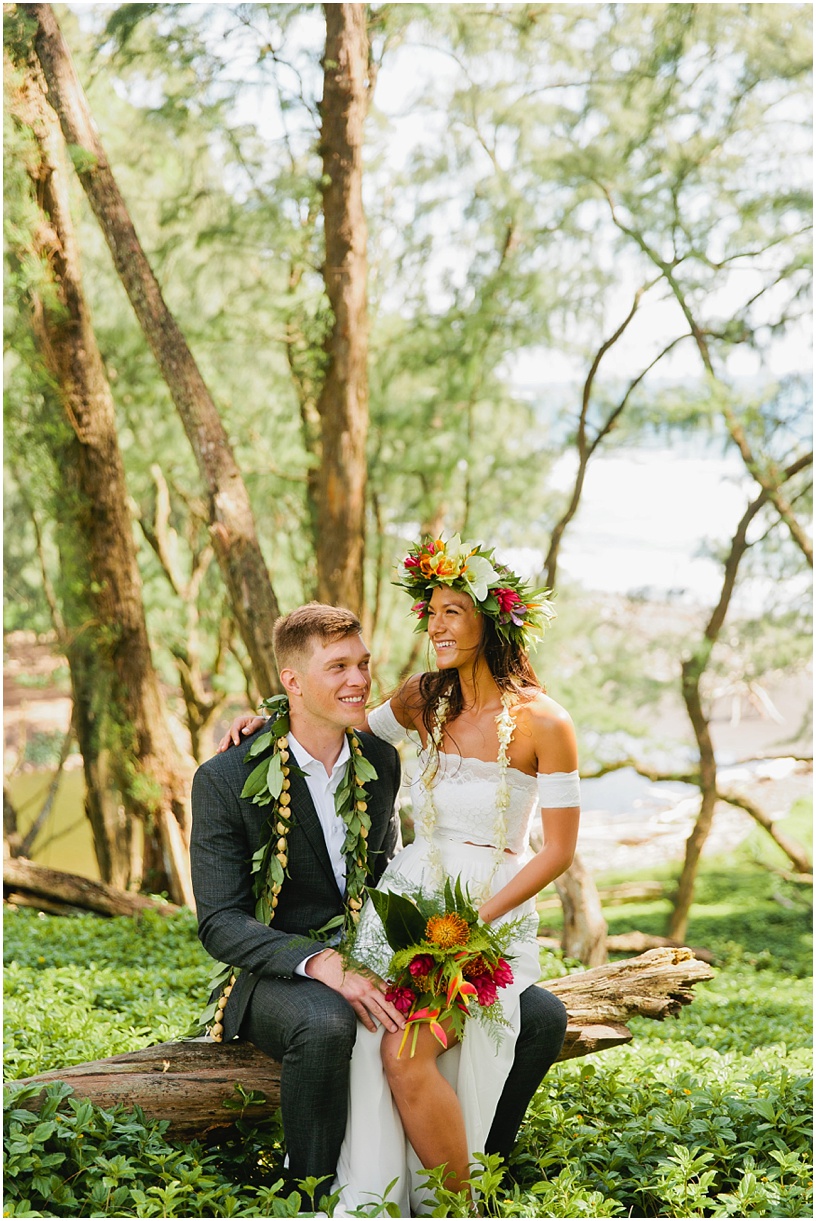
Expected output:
(242, 726)
(363, 990)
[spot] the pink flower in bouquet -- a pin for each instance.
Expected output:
(421, 965)
(411, 561)
(401, 998)
(502, 974)
(486, 993)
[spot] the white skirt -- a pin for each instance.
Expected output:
(375, 1152)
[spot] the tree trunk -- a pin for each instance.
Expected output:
(193, 1083)
(27, 884)
(678, 922)
(232, 524)
(116, 690)
(584, 935)
(343, 401)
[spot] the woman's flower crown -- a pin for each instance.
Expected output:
(520, 612)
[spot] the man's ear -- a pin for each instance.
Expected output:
(290, 681)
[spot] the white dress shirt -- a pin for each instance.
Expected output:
(322, 788)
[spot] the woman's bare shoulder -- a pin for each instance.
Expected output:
(551, 729)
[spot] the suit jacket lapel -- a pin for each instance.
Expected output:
(306, 818)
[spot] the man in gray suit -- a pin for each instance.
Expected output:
(293, 998)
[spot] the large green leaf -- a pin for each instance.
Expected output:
(404, 924)
(256, 780)
(274, 776)
(364, 768)
(259, 746)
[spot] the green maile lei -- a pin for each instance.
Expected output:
(269, 784)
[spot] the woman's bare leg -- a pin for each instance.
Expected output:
(428, 1107)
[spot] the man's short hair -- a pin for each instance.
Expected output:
(295, 633)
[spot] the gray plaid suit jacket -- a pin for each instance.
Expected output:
(227, 830)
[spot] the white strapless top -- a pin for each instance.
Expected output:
(465, 791)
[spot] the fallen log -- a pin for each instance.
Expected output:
(623, 892)
(629, 943)
(192, 1084)
(30, 885)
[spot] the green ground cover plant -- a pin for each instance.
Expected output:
(707, 1116)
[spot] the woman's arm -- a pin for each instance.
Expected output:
(560, 835)
(556, 751)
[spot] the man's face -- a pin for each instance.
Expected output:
(332, 683)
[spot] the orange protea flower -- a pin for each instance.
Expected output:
(447, 931)
(476, 968)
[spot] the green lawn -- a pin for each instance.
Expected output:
(706, 1115)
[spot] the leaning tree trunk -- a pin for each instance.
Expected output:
(343, 401)
(692, 672)
(193, 1084)
(123, 695)
(232, 524)
(584, 932)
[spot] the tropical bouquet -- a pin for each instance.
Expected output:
(447, 965)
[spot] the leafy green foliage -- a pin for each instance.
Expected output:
(705, 1116)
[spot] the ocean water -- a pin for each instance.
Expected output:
(647, 524)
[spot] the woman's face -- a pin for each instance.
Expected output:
(454, 627)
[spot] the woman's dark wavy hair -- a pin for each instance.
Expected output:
(508, 664)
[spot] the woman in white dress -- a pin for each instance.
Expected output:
(492, 747)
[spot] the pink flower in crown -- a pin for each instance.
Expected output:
(421, 965)
(502, 974)
(401, 998)
(420, 609)
(507, 599)
(486, 993)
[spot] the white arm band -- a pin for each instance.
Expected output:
(383, 724)
(558, 790)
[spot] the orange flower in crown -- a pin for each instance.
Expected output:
(520, 612)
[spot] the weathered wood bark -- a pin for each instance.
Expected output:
(343, 401)
(120, 717)
(190, 1083)
(232, 524)
(29, 884)
(584, 932)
